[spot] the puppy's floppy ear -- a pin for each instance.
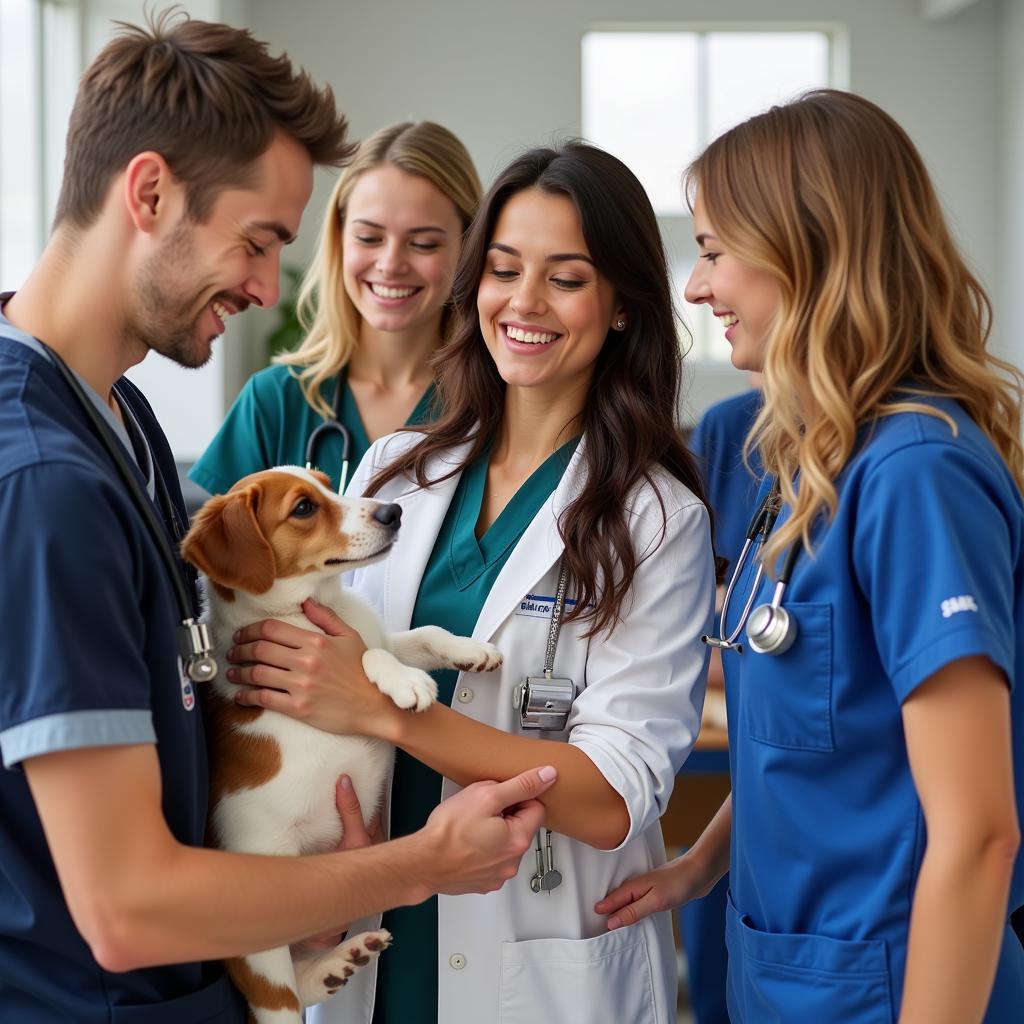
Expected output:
(227, 544)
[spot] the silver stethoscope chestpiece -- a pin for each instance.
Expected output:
(770, 629)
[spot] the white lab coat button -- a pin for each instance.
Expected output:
(457, 961)
(465, 695)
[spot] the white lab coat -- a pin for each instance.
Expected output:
(515, 956)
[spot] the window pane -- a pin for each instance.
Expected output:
(19, 142)
(640, 103)
(751, 71)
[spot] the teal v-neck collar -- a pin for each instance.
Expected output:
(471, 557)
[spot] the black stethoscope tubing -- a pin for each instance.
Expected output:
(198, 663)
(333, 426)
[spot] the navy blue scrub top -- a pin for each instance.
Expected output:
(89, 659)
(922, 564)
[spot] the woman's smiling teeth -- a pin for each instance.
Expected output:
(384, 292)
(728, 319)
(529, 337)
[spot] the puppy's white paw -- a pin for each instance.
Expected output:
(408, 687)
(322, 976)
(472, 655)
(412, 688)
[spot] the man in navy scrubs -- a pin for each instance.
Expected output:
(189, 162)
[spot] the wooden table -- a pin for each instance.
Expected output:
(701, 786)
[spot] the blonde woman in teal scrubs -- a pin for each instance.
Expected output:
(556, 449)
(375, 304)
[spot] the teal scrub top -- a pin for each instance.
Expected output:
(455, 585)
(270, 424)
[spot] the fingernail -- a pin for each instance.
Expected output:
(547, 773)
(231, 654)
(613, 922)
(346, 782)
(238, 636)
(232, 673)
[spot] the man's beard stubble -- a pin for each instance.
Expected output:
(163, 321)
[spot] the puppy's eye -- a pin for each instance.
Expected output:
(304, 509)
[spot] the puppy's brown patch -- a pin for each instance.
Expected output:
(238, 760)
(249, 537)
(260, 991)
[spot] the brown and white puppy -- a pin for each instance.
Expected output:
(275, 539)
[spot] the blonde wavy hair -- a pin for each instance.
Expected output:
(829, 196)
(325, 310)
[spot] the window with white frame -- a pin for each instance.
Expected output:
(656, 98)
(39, 63)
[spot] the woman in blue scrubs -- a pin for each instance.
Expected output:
(873, 820)
(557, 449)
(375, 303)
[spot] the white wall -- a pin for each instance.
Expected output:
(1009, 293)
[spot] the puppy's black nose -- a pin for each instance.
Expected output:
(389, 515)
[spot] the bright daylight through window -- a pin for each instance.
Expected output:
(655, 99)
(20, 125)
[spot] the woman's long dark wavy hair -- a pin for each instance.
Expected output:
(630, 418)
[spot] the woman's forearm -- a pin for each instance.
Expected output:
(956, 930)
(581, 804)
(711, 850)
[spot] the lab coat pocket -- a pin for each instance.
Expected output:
(786, 698)
(786, 977)
(608, 977)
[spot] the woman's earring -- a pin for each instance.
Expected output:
(620, 324)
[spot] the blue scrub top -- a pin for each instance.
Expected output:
(717, 442)
(89, 659)
(923, 564)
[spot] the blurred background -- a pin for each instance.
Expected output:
(650, 80)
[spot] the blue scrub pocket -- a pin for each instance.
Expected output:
(804, 979)
(786, 699)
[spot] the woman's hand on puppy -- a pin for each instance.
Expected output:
(316, 678)
(355, 834)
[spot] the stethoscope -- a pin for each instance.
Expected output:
(332, 426)
(770, 628)
(197, 659)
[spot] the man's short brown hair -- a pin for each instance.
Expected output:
(205, 96)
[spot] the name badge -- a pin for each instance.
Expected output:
(540, 606)
(188, 690)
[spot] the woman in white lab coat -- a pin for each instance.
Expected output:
(556, 450)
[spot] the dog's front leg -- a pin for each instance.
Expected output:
(407, 686)
(432, 647)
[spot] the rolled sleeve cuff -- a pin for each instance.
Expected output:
(642, 801)
(74, 730)
(970, 640)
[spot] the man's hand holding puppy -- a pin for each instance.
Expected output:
(316, 678)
